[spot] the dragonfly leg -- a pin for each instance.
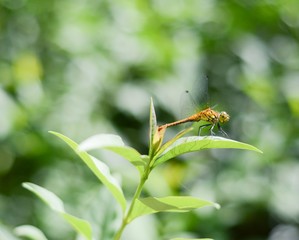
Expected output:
(211, 129)
(202, 127)
(222, 131)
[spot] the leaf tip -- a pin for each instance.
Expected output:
(260, 151)
(54, 133)
(217, 206)
(26, 185)
(256, 149)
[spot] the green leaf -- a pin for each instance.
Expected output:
(153, 128)
(151, 205)
(197, 143)
(30, 232)
(101, 141)
(153, 120)
(6, 234)
(131, 155)
(172, 140)
(115, 144)
(81, 226)
(100, 169)
(48, 197)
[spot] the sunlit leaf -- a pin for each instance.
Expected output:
(48, 197)
(6, 234)
(81, 226)
(172, 140)
(197, 143)
(100, 169)
(115, 144)
(153, 140)
(101, 141)
(157, 140)
(151, 205)
(30, 232)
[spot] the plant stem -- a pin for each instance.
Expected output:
(126, 219)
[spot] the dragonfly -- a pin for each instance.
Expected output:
(214, 118)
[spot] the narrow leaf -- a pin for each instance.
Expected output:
(6, 234)
(48, 197)
(196, 143)
(157, 140)
(115, 144)
(153, 128)
(131, 155)
(101, 141)
(100, 169)
(151, 205)
(172, 140)
(30, 232)
(80, 225)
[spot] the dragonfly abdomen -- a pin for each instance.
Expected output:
(185, 120)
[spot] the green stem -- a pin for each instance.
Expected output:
(126, 219)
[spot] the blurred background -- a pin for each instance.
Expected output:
(88, 67)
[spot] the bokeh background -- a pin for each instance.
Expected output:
(88, 67)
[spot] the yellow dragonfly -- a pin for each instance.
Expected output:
(209, 115)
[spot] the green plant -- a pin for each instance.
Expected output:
(158, 154)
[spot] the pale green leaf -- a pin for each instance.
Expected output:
(5, 233)
(172, 140)
(153, 128)
(29, 232)
(131, 155)
(101, 141)
(100, 169)
(151, 205)
(153, 120)
(115, 144)
(80, 225)
(197, 143)
(48, 197)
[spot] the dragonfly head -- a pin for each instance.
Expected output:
(223, 117)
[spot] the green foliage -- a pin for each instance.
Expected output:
(115, 144)
(81, 226)
(150, 205)
(29, 232)
(158, 154)
(197, 143)
(100, 169)
(92, 68)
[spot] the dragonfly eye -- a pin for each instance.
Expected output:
(224, 117)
